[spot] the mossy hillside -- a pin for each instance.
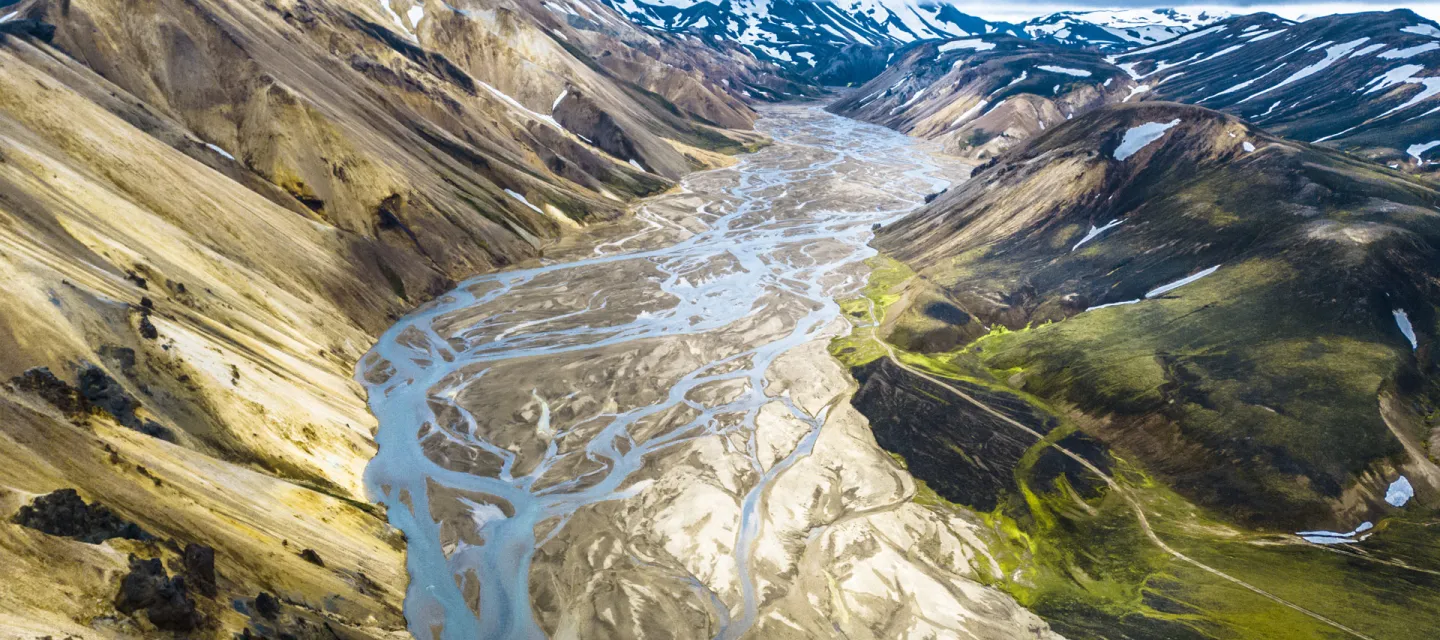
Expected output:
(1179, 214)
(1254, 390)
(868, 310)
(1079, 558)
(1237, 366)
(1073, 551)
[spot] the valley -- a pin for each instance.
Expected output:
(648, 436)
(716, 319)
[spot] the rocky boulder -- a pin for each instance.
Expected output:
(65, 513)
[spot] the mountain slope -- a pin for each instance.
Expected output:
(1356, 82)
(207, 212)
(1362, 82)
(848, 41)
(1235, 327)
(1312, 249)
(1116, 30)
(980, 96)
(835, 42)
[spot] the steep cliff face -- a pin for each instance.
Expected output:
(208, 210)
(980, 96)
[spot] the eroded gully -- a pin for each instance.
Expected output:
(523, 402)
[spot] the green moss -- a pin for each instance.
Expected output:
(1080, 558)
(880, 292)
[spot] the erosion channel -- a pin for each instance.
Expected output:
(645, 436)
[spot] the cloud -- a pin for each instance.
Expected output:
(1295, 9)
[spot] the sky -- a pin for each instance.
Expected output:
(1014, 11)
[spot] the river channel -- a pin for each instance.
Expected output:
(598, 442)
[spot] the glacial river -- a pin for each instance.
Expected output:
(522, 412)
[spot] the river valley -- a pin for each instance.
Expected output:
(646, 437)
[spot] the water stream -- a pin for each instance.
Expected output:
(523, 398)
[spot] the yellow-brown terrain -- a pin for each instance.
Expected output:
(209, 208)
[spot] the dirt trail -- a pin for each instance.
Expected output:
(1122, 491)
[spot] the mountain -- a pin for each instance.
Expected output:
(1355, 82)
(848, 41)
(208, 211)
(1110, 29)
(834, 42)
(980, 96)
(1152, 344)
(1362, 82)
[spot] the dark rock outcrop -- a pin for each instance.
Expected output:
(105, 394)
(42, 31)
(267, 605)
(40, 381)
(65, 513)
(164, 599)
(309, 555)
(200, 569)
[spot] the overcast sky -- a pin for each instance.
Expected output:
(1013, 10)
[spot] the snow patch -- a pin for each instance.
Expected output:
(1331, 537)
(970, 113)
(522, 198)
(1423, 30)
(972, 43)
(1096, 231)
(1138, 137)
(1400, 492)
(1332, 55)
(1170, 43)
(1113, 304)
(517, 105)
(1401, 54)
(1418, 150)
(1079, 73)
(212, 147)
(1402, 320)
(1180, 283)
(1395, 76)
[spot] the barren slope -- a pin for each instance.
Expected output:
(207, 211)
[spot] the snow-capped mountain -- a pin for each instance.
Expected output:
(1363, 82)
(1117, 29)
(982, 95)
(1368, 82)
(844, 41)
(837, 41)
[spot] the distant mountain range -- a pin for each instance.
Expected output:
(1117, 29)
(848, 40)
(1364, 82)
(1359, 82)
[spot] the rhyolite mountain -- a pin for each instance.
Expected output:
(1238, 327)
(1363, 82)
(980, 96)
(208, 211)
(1359, 82)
